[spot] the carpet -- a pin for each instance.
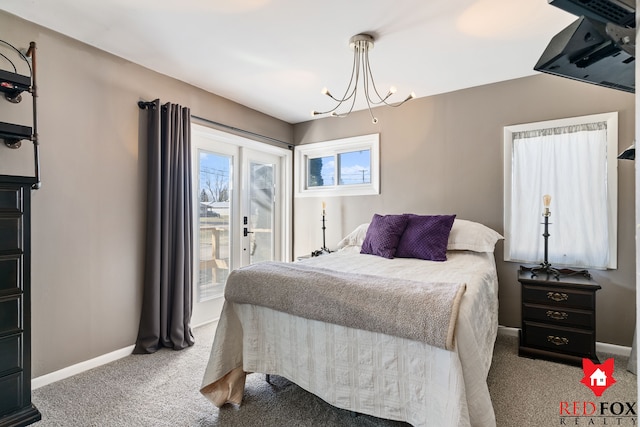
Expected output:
(162, 390)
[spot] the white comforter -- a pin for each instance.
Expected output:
(369, 372)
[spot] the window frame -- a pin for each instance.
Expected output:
(333, 148)
(611, 119)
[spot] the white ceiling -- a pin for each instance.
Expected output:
(276, 55)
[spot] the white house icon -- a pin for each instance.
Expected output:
(598, 378)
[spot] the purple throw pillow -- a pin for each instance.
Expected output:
(425, 237)
(383, 235)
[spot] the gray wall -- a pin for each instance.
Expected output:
(444, 154)
(88, 218)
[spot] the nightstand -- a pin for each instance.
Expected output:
(558, 317)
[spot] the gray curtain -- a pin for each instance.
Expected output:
(167, 300)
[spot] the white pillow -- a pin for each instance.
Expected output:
(472, 236)
(465, 236)
(356, 237)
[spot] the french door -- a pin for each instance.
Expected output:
(241, 215)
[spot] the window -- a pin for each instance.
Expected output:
(575, 162)
(346, 166)
(213, 222)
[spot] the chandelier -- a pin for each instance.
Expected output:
(361, 44)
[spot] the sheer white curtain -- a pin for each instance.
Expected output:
(568, 163)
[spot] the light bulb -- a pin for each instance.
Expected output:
(546, 201)
(392, 90)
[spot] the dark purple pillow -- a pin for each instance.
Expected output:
(383, 235)
(425, 237)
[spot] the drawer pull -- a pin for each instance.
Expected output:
(557, 296)
(558, 315)
(557, 340)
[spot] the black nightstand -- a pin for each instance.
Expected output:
(558, 317)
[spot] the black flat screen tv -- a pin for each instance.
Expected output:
(584, 51)
(619, 12)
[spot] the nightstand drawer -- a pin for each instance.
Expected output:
(559, 315)
(566, 340)
(558, 296)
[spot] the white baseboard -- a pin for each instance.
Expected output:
(618, 350)
(205, 323)
(508, 331)
(72, 370)
(602, 347)
(80, 367)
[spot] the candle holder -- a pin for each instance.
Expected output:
(545, 266)
(323, 249)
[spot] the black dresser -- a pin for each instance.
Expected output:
(16, 408)
(558, 317)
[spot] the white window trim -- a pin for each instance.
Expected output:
(333, 148)
(612, 172)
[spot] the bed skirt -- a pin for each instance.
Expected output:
(360, 371)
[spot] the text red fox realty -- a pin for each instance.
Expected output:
(598, 377)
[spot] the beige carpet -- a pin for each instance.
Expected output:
(527, 392)
(162, 390)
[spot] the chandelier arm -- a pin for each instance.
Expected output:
(367, 76)
(350, 87)
(354, 68)
(397, 104)
(365, 85)
(373, 83)
(339, 101)
(355, 96)
(355, 91)
(384, 100)
(345, 114)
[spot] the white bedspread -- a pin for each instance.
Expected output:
(370, 372)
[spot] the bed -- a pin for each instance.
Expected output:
(373, 370)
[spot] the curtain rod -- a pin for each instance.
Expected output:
(145, 104)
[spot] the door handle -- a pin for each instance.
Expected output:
(245, 230)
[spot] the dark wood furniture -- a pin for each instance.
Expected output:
(16, 408)
(558, 317)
